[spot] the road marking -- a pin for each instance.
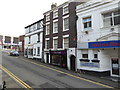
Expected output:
(16, 78)
(97, 83)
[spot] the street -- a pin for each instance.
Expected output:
(40, 76)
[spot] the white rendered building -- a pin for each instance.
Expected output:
(98, 36)
(33, 40)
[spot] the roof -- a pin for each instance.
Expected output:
(34, 23)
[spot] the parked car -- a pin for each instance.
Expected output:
(14, 53)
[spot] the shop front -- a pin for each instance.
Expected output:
(110, 50)
(58, 58)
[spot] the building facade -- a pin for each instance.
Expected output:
(33, 40)
(98, 36)
(60, 35)
(21, 44)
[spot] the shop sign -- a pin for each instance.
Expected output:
(104, 44)
(88, 64)
(58, 52)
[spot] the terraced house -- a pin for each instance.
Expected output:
(60, 35)
(33, 40)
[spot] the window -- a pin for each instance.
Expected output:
(66, 42)
(95, 55)
(47, 17)
(47, 44)
(55, 14)
(55, 41)
(66, 23)
(87, 23)
(29, 40)
(65, 10)
(34, 27)
(38, 51)
(30, 51)
(27, 30)
(38, 37)
(34, 51)
(111, 19)
(47, 29)
(38, 25)
(55, 27)
(84, 54)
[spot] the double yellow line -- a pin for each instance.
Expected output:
(16, 78)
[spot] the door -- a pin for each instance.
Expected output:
(47, 57)
(72, 62)
(115, 66)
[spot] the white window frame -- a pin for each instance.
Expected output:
(63, 22)
(53, 26)
(46, 31)
(88, 28)
(65, 36)
(48, 17)
(84, 52)
(55, 14)
(47, 39)
(112, 17)
(66, 6)
(54, 38)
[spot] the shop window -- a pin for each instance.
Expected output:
(87, 23)
(111, 18)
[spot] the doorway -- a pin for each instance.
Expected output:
(72, 63)
(115, 67)
(47, 57)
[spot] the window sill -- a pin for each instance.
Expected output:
(55, 32)
(65, 29)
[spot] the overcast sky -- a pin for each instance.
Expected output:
(16, 14)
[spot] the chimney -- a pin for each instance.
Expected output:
(53, 5)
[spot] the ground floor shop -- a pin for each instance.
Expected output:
(62, 58)
(34, 51)
(101, 57)
(56, 57)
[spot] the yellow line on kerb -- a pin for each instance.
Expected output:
(97, 83)
(16, 78)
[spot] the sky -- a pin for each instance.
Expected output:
(17, 14)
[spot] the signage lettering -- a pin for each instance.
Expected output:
(105, 44)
